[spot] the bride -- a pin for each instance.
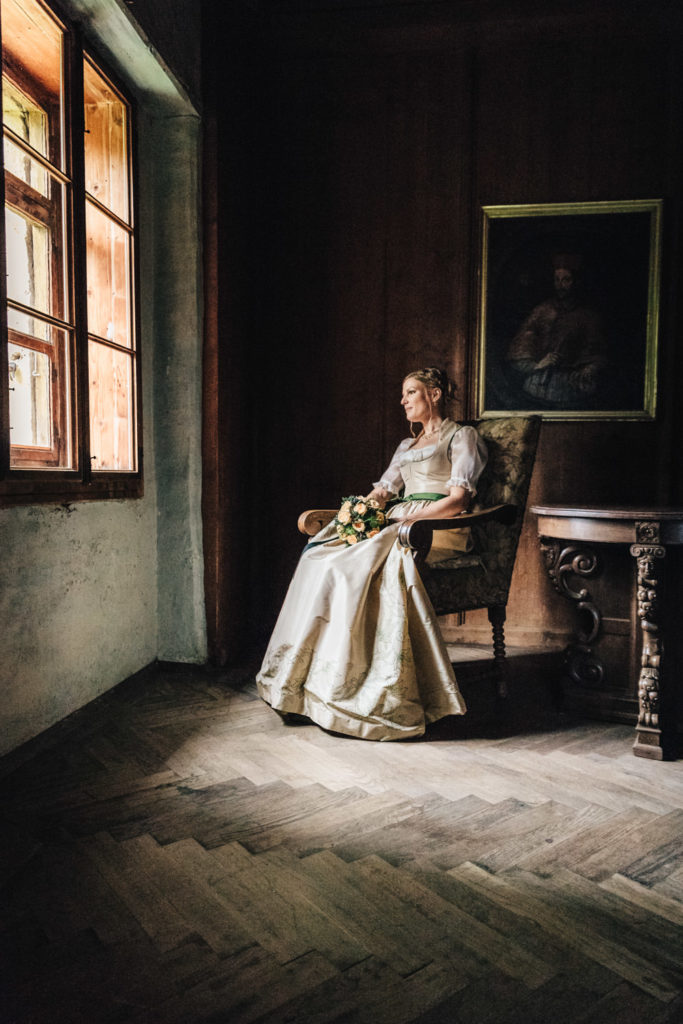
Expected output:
(356, 647)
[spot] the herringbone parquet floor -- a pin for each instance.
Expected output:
(175, 854)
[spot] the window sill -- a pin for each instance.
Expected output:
(16, 490)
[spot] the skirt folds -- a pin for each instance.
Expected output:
(357, 648)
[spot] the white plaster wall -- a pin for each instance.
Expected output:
(78, 607)
(92, 595)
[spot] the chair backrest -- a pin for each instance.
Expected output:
(511, 443)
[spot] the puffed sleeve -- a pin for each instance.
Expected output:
(392, 480)
(468, 456)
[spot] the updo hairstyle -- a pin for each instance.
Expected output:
(434, 377)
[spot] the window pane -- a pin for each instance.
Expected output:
(32, 59)
(40, 397)
(35, 244)
(28, 261)
(112, 397)
(29, 122)
(30, 413)
(108, 278)
(30, 325)
(106, 143)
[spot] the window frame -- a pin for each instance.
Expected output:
(28, 485)
(26, 201)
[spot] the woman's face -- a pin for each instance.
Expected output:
(416, 401)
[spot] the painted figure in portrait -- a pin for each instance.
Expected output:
(559, 351)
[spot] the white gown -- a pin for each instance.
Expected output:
(356, 647)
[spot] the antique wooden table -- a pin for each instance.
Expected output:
(566, 535)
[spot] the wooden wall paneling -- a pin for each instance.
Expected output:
(324, 354)
(231, 125)
(571, 119)
(292, 323)
(428, 224)
(670, 451)
(356, 394)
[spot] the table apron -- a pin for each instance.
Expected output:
(603, 531)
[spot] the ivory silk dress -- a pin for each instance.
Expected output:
(356, 647)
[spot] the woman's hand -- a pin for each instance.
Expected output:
(379, 495)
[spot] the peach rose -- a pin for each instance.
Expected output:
(359, 527)
(360, 508)
(344, 514)
(351, 539)
(373, 533)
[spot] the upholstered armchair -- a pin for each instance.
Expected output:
(482, 578)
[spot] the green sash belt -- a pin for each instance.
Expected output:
(415, 497)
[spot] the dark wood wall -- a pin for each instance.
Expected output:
(383, 130)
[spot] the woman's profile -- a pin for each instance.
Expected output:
(356, 647)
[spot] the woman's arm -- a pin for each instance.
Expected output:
(457, 501)
(391, 481)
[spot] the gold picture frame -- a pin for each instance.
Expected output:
(569, 310)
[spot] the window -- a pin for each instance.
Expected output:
(70, 416)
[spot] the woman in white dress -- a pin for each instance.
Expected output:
(356, 647)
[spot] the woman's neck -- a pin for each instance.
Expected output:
(431, 427)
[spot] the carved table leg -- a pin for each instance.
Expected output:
(649, 555)
(584, 667)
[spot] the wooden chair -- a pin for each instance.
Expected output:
(480, 579)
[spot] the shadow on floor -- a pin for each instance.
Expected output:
(533, 702)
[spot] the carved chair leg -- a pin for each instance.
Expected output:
(497, 614)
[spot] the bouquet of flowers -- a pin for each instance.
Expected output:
(359, 519)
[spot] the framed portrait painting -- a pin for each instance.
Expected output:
(569, 310)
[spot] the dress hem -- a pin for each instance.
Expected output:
(364, 729)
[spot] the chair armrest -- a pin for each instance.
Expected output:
(313, 520)
(418, 535)
(415, 535)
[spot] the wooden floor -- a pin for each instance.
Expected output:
(175, 853)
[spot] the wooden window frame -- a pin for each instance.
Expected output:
(38, 482)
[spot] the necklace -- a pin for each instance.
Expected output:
(434, 430)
